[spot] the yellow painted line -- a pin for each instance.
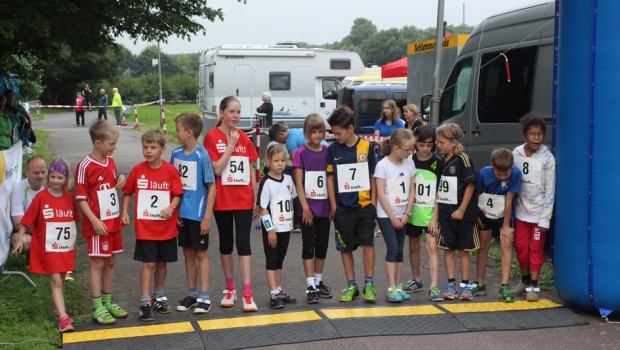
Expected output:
(521, 305)
(251, 321)
(127, 332)
(382, 311)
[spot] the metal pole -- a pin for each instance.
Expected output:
(161, 106)
(436, 73)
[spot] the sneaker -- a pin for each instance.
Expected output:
(161, 304)
(449, 292)
(202, 306)
(504, 294)
(230, 296)
(413, 286)
(479, 289)
(65, 324)
(399, 289)
(115, 310)
(69, 277)
(187, 303)
(324, 291)
(248, 304)
(146, 312)
(435, 294)
(393, 296)
(532, 293)
(350, 293)
(312, 295)
(276, 301)
(465, 292)
(287, 298)
(370, 294)
(297, 229)
(519, 289)
(102, 316)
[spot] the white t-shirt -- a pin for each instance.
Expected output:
(277, 197)
(397, 178)
(21, 197)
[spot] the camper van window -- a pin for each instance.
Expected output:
(211, 79)
(330, 89)
(370, 102)
(454, 98)
(340, 64)
(279, 81)
(500, 100)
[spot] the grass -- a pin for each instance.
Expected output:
(546, 279)
(149, 117)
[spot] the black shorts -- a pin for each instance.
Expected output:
(355, 228)
(415, 231)
(156, 251)
(189, 235)
(488, 224)
(458, 235)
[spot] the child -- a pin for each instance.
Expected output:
(96, 185)
(428, 171)
(196, 172)
(497, 184)
(232, 153)
(534, 205)
(276, 191)
(309, 164)
(395, 177)
(351, 163)
(52, 215)
(80, 106)
(455, 212)
(158, 191)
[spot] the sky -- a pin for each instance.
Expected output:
(322, 21)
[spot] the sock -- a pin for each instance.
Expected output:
(465, 281)
(526, 279)
(230, 283)
(368, 279)
(106, 298)
(247, 289)
(97, 303)
(274, 292)
(203, 295)
(476, 282)
(353, 282)
(145, 299)
(279, 288)
(310, 281)
(533, 283)
(193, 292)
(158, 293)
(318, 277)
(451, 280)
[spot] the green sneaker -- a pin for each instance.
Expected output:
(370, 294)
(504, 294)
(350, 293)
(435, 294)
(115, 310)
(102, 316)
(479, 289)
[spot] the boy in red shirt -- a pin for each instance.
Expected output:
(158, 191)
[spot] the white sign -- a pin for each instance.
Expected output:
(108, 204)
(315, 184)
(188, 171)
(60, 236)
(353, 177)
(237, 172)
(151, 203)
(10, 173)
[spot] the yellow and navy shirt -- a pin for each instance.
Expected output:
(362, 151)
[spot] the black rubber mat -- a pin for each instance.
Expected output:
(405, 325)
(511, 320)
(181, 341)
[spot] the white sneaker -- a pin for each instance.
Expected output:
(248, 304)
(230, 296)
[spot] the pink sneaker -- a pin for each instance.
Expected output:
(65, 324)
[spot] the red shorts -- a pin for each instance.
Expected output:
(105, 246)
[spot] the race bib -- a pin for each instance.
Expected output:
(447, 192)
(425, 192)
(108, 204)
(281, 210)
(237, 172)
(188, 171)
(398, 191)
(492, 205)
(151, 203)
(353, 177)
(315, 185)
(531, 170)
(60, 236)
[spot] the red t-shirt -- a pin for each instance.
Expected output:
(153, 188)
(232, 197)
(94, 183)
(53, 232)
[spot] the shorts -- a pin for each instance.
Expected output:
(190, 237)
(488, 224)
(355, 228)
(104, 246)
(156, 251)
(415, 231)
(458, 235)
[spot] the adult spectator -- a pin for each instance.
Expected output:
(21, 120)
(117, 104)
(6, 127)
(88, 95)
(267, 108)
(389, 120)
(412, 116)
(103, 105)
(23, 194)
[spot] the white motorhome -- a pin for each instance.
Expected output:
(301, 80)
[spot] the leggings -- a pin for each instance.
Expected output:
(242, 220)
(394, 240)
(315, 239)
(274, 257)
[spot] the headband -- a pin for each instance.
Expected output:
(59, 166)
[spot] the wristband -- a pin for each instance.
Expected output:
(266, 219)
(174, 207)
(461, 210)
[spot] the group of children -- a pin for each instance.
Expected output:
(346, 183)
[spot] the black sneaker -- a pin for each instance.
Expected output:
(203, 306)
(287, 298)
(324, 291)
(146, 313)
(276, 302)
(312, 295)
(187, 303)
(161, 304)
